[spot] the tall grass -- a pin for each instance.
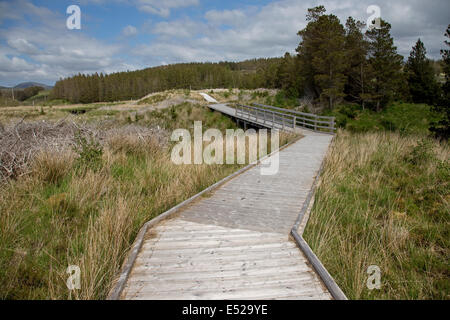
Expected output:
(384, 200)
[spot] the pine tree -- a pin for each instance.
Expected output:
(287, 75)
(356, 48)
(420, 74)
(386, 64)
(322, 55)
(441, 128)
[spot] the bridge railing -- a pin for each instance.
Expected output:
(266, 117)
(303, 119)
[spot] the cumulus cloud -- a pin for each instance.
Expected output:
(157, 7)
(271, 30)
(185, 28)
(50, 52)
(23, 46)
(14, 64)
(129, 31)
(162, 8)
(228, 17)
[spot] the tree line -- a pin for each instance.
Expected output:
(136, 84)
(334, 63)
(21, 94)
(337, 62)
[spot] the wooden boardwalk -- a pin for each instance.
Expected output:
(247, 117)
(234, 243)
(276, 118)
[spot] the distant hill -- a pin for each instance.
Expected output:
(25, 85)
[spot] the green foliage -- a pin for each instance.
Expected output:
(260, 94)
(402, 117)
(322, 57)
(420, 74)
(283, 99)
(386, 81)
(337, 62)
(173, 113)
(441, 127)
(356, 47)
(90, 152)
(26, 93)
(421, 153)
(154, 99)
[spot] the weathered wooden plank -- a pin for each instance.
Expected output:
(141, 273)
(166, 286)
(220, 258)
(268, 292)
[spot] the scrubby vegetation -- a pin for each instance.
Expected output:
(401, 117)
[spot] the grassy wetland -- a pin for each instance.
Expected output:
(79, 181)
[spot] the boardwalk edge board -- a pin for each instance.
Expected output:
(117, 289)
(323, 273)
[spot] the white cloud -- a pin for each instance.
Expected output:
(129, 31)
(162, 8)
(51, 52)
(185, 28)
(229, 17)
(24, 10)
(23, 46)
(14, 64)
(271, 30)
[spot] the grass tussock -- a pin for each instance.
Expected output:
(384, 200)
(50, 167)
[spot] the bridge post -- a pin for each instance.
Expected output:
(295, 122)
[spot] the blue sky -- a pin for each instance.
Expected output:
(118, 35)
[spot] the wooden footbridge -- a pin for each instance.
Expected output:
(277, 118)
(240, 238)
